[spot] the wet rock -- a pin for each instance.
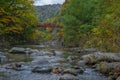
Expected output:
(58, 70)
(18, 50)
(42, 69)
(53, 52)
(118, 78)
(90, 50)
(40, 60)
(1, 53)
(66, 65)
(73, 71)
(115, 76)
(108, 68)
(3, 59)
(48, 53)
(68, 77)
(54, 59)
(55, 70)
(14, 66)
(81, 63)
(62, 70)
(35, 51)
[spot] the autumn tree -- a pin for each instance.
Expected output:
(15, 16)
(106, 35)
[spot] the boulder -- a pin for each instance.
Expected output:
(81, 63)
(49, 53)
(42, 60)
(99, 57)
(108, 68)
(72, 58)
(68, 77)
(18, 50)
(53, 52)
(34, 51)
(42, 69)
(14, 66)
(118, 78)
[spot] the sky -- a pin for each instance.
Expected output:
(46, 2)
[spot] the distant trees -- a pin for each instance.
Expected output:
(47, 11)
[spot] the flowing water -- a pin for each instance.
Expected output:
(29, 62)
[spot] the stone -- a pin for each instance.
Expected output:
(106, 68)
(42, 69)
(53, 52)
(81, 63)
(3, 59)
(73, 71)
(14, 66)
(18, 50)
(99, 57)
(118, 78)
(1, 53)
(35, 51)
(68, 77)
(86, 51)
(42, 60)
(66, 65)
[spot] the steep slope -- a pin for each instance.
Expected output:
(47, 11)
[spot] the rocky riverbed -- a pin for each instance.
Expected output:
(26, 63)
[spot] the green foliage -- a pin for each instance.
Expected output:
(91, 23)
(106, 35)
(79, 17)
(15, 16)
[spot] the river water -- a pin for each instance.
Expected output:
(32, 61)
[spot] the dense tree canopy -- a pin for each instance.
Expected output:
(91, 23)
(79, 17)
(15, 16)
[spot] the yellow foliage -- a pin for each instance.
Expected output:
(96, 31)
(36, 35)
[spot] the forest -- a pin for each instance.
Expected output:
(80, 23)
(76, 40)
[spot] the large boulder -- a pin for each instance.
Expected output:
(109, 68)
(18, 50)
(99, 57)
(68, 77)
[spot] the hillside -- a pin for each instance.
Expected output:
(47, 11)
